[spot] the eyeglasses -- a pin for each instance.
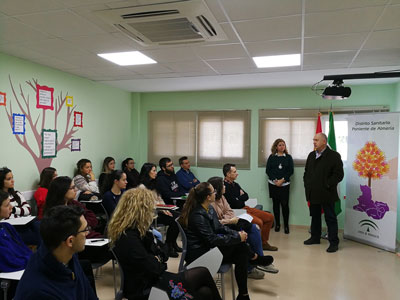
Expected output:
(87, 229)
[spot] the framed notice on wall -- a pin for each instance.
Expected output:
(69, 101)
(18, 124)
(78, 119)
(75, 144)
(49, 143)
(44, 97)
(3, 99)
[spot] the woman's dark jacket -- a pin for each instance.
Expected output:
(205, 232)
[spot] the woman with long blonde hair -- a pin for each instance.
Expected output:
(144, 259)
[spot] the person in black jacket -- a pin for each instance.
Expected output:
(322, 173)
(144, 259)
(204, 231)
(279, 169)
(128, 166)
(167, 183)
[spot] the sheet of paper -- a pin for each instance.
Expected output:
(75, 144)
(96, 242)
(19, 221)
(246, 217)
(49, 144)
(19, 124)
(12, 275)
(44, 98)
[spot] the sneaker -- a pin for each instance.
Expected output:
(269, 269)
(268, 247)
(255, 274)
(312, 241)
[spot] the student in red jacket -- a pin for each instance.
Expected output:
(47, 175)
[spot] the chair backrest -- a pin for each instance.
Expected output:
(212, 260)
(157, 294)
(184, 246)
(120, 293)
(34, 209)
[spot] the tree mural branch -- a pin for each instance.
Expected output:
(23, 103)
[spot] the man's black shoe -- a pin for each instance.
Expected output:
(311, 241)
(332, 248)
(177, 248)
(172, 252)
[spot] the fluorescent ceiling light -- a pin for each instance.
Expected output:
(128, 58)
(277, 61)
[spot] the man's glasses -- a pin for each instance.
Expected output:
(87, 229)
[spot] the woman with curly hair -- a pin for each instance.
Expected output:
(144, 259)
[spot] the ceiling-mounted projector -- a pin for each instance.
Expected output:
(336, 91)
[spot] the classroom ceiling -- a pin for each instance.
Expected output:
(333, 37)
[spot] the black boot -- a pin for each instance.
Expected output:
(176, 247)
(171, 251)
(242, 297)
(287, 229)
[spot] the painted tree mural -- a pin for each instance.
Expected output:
(370, 162)
(37, 126)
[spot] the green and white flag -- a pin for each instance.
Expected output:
(332, 144)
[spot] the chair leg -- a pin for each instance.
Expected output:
(222, 286)
(115, 279)
(232, 283)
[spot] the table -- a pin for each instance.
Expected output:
(19, 221)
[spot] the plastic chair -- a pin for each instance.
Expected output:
(211, 260)
(119, 295)
(157, 294)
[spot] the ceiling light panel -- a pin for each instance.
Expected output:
(128, 58)
(277, 61)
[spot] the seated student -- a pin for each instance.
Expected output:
(204, 231)
(227, 217)
(237, 197)
(62, 192)
(115, 187)
(20, 208)
(143, 258)
(85, 181)
(108, 167)
(54, 272)
(132, 175)
(167, 183)
(186, 178)
(47, 175)
(148, 175)
(14, 255)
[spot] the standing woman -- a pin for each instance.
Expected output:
(47, 175)
(143, 258)
(279, 169)
(128, 166)
(85, 181)
(108, 167)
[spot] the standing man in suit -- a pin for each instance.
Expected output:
(322, 173)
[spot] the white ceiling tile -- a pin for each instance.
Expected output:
(76, 3)
(255, 9)
(292, 46)
(341, 22)
(232, 37)
(221, 51)
(171, 54)
(216, 10)
(149, 69)
(53, 63)
(99, 43)
(188, 66)
(121, 4)
(324, 67)
(384, 57)
(390, 19)
(383, 40)
(18, 7)
(334, 42)
(234, 66)
(269, 29)
(60, 24)
(55, 48)
(87, 60)
(329, 5)
(13, 31)
(21, 52)
(344, 57)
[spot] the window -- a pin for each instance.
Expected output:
(220, 136)
(223, 136)
(295, 127)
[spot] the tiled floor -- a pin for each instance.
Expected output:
(356, 271)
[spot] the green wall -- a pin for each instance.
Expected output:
(254, 180)
(106, 128)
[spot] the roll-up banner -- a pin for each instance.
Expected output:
(371, 186)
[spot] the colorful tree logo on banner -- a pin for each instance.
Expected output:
(370, 162)
(36, 127)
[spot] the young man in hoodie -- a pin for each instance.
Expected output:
(54, 272)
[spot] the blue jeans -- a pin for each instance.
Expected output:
(254, 240)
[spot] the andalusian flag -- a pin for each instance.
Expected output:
(332, 144)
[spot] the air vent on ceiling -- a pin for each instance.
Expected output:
(172, 23)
